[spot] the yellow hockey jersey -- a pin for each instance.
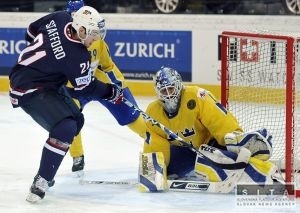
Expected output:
(105, 69)
(200, 118)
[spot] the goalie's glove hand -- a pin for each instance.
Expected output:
(265, 136)
(117, 95)
(259, 142)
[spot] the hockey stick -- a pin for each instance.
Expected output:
(221, 187)
(175, 185)
(161, 126)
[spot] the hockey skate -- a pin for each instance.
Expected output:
(78, 165)
(38, 189)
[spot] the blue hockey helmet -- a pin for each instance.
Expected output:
(73, 6)
(168, 87)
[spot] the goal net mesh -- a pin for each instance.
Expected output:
(260, 86)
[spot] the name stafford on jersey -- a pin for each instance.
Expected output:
(55, 40)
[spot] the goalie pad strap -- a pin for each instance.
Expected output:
(235, 166)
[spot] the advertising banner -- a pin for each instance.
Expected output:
(12, 42)
(138, 53)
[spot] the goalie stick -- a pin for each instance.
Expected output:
(179, 185)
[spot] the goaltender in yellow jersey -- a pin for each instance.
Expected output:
(200, 119)
(195, 115)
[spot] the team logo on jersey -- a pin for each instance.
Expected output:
(191, 104)
(202, 93)
(187, 132)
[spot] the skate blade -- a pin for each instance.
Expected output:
(79, 174)
(33, 198)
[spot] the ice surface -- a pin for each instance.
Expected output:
(111, 153)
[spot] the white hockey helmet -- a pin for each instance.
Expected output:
(90, 19)
(168, 87)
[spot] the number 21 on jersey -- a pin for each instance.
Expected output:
(35, 55)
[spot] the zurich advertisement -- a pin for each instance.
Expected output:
(12, 42)
(138, 53)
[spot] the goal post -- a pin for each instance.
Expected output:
(260, 85)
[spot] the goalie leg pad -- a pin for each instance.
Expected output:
(259, 172)
(258, 142)
(152, 172)
(216, 165)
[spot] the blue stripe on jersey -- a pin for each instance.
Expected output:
(148, 136)
(113, 78)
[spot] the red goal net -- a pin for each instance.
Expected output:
(260, 85)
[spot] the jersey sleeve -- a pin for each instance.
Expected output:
(215, 117)
(107, 70)
(156, 139)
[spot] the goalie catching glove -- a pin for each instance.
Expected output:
(258, 142)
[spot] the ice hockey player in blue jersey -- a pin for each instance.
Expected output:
(105, 70)
(58, 53)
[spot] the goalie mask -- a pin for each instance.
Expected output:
(90, 19)
(168, 87)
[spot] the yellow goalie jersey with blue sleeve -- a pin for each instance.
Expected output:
(200, 118)
(104, 68)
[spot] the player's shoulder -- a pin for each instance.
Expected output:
(154, 107)
(98, 44)
(192, 90)
(195, 90)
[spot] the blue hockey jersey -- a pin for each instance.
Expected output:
(52, 58)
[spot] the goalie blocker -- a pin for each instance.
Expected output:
(215, 165)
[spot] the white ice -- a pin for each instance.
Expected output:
(111, 153)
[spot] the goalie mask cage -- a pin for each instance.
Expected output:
(260, 85)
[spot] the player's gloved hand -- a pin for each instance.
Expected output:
(117, 95)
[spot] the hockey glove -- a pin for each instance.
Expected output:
(117, 95)
(259, 142)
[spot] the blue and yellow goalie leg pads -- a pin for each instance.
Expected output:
(259, 172)
(152, 172)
